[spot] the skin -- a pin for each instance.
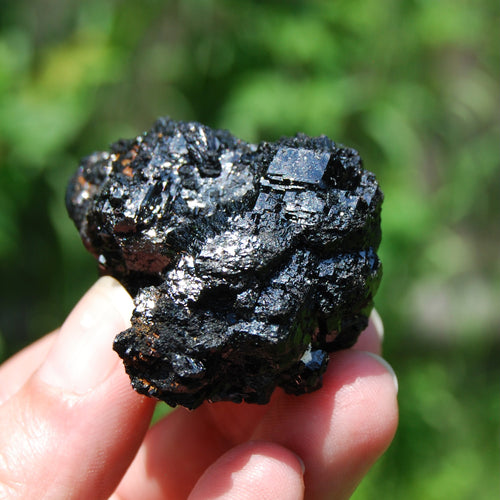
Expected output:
(72, 427)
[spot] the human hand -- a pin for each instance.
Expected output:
(71, 426)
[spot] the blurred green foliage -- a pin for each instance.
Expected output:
(412, 84)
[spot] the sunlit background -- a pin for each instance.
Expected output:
(412, 84)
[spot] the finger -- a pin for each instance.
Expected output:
(18, 369)
(371, 338)
(340, 430)
(174, 454)
(253, 471)
(74, 427)
(178, 449)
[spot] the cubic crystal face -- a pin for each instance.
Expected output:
(248, 263)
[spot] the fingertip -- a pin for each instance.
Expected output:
(82, 355)
(253, 470)
(388, 367)
(363, 418)
(365, 388)
(113, 291)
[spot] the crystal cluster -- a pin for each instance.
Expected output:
(248, 263)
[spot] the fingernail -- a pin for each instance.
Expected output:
(82, 356)
(378, 324)
(301, 462)
(388, 367)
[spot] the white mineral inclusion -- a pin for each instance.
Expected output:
(307, 356)
(193, 204)
(145, 301)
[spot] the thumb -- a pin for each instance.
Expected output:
(73, 428)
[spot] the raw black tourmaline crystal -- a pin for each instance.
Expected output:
(248, 264)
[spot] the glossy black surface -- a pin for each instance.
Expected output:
(248, 263)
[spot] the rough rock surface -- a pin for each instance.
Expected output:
(248, 264)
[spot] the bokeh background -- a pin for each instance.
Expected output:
(411, 84)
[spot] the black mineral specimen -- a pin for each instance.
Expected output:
(248, 264)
